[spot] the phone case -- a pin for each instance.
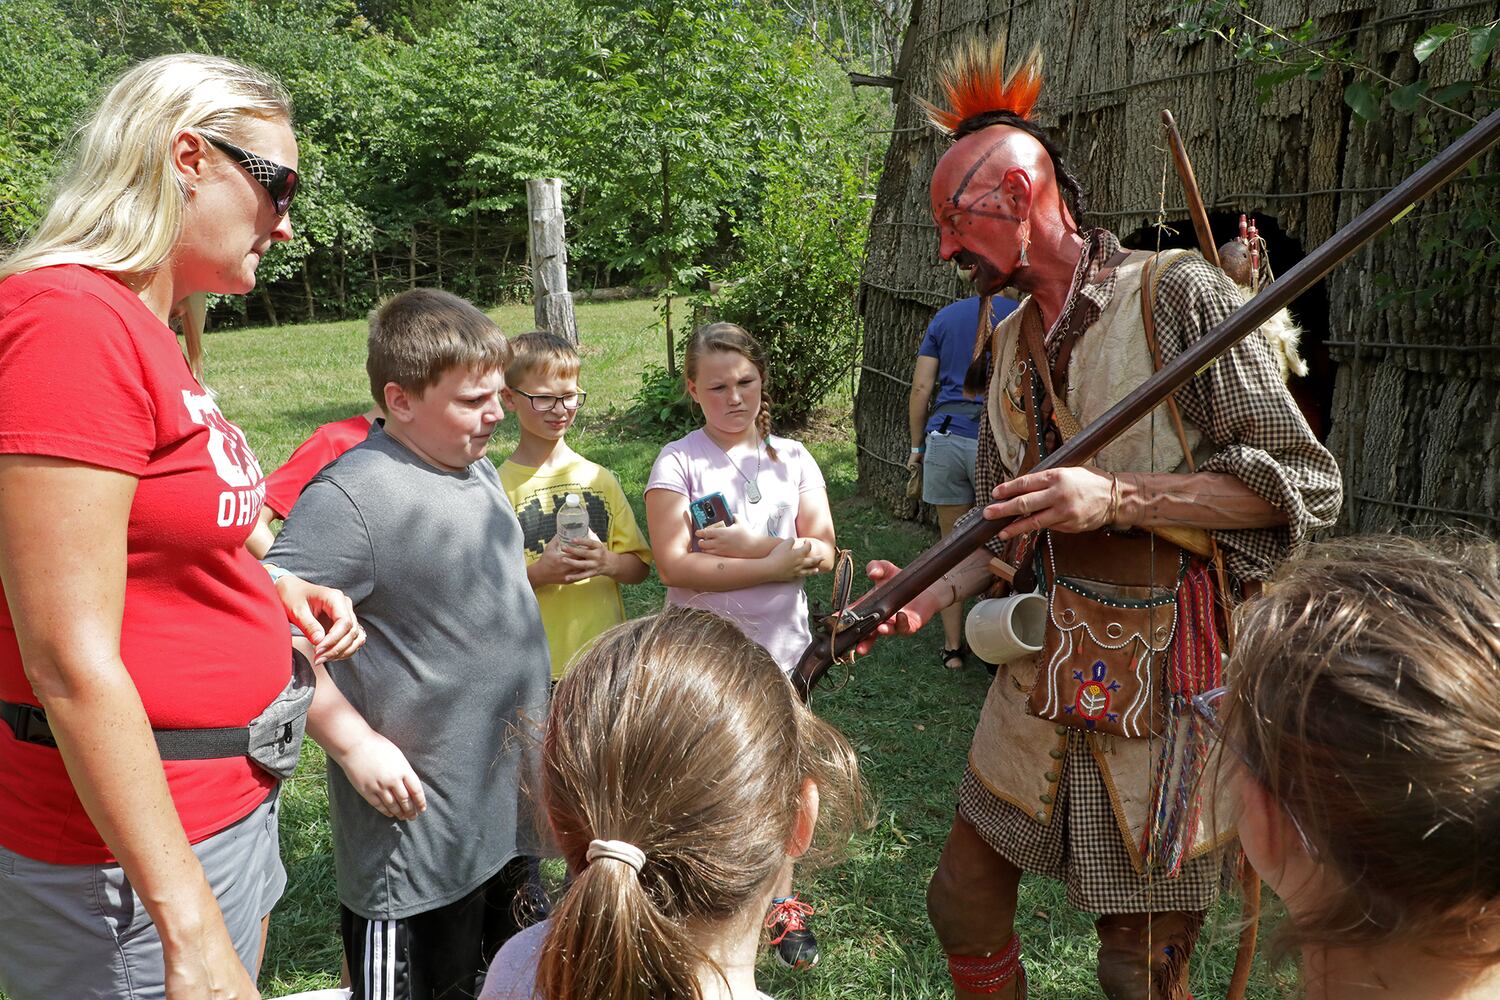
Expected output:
(711, 509)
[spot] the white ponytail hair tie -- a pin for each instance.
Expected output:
(617, 850)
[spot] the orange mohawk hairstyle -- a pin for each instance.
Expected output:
(975, 83)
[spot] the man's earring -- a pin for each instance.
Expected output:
(1025, 236)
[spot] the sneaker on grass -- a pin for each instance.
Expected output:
(791, 939)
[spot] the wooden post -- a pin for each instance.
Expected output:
(667, 265)
(343, 283)
(546, 245)
(265, 299)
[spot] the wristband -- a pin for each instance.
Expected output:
(275, 572)
(918, 449)
(1113, 512)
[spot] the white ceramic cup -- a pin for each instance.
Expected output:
(1005, 628)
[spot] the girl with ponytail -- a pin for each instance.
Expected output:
(681, 776)
(751, 569)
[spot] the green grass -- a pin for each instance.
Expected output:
(910, 719)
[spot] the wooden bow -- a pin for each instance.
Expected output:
(1244, 957)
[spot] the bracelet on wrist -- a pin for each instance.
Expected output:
(918, 449)
(275, 572)
(1113, 513)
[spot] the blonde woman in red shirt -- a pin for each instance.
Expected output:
(139, 640)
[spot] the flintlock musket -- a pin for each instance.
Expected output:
(841, 632)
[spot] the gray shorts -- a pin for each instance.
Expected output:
(80, 931)
(948, 470)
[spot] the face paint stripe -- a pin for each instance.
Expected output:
(969, 174)
(979, 199)
(1006, 216)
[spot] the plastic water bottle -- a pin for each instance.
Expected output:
(572, 520)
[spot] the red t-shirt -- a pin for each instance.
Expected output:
(328, 442)
(88, 373)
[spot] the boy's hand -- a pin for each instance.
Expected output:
(552, 567)
(584, 559)
(378, 770)
(737, 540)
(792, 559)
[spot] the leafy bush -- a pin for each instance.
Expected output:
(797, 282)
(793, 288)
(660, 408)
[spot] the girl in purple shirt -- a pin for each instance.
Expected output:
(750, 571)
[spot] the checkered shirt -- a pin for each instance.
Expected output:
(1082, 847)
(1239, 403)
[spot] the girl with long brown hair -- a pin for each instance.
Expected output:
(772, 527)
(681, 776)
(1363, 730)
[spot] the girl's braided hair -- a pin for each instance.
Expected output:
(729, 337)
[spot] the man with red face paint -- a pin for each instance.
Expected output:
(1060, 781)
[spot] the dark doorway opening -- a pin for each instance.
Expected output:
(1313, 391)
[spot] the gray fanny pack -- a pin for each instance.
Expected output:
(275, 735)
(273, 739)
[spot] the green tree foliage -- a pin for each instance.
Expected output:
(45, 85)
(797, 287)
(1447, 81)
(794, 281)
(861, 35)
(690, 98)
(418, 124)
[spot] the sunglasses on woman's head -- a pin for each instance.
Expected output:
(280, 182)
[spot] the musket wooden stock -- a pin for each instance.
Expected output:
(890, 596)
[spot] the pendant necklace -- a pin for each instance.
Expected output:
(752, 486)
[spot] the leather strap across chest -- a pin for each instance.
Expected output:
(1055, 415)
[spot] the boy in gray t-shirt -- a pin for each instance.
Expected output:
(424, 726)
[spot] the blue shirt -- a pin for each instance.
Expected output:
(950, 339)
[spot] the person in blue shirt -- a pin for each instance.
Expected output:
(945, 430)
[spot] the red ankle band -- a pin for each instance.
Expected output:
(989, 974)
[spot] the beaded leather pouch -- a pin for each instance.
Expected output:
(1097, 669)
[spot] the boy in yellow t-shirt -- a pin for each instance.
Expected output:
(576, 583)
